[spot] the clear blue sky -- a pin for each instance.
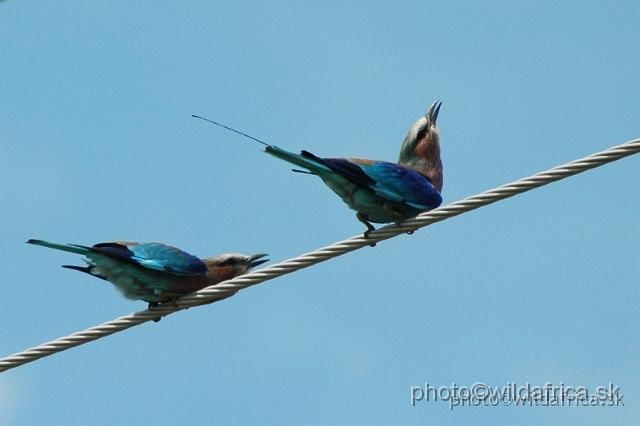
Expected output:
(97, 143)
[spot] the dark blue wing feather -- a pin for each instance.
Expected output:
(344, 168)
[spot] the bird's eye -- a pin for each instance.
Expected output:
(229, 262)
(421, 133)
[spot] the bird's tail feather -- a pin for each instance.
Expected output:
(86, 269)
(73, 248)
(306, 160)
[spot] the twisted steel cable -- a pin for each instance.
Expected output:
(230, 287)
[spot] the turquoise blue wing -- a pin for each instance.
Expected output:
(400, 184)
(155, 256)
(388, 180)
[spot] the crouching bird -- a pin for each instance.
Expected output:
(379, 191)
(155, 272)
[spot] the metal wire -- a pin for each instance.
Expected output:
(228, 288)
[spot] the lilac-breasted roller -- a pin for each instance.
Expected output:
(380, 191)
(155, 272)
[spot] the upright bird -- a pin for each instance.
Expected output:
(379, 191)
(155, 272)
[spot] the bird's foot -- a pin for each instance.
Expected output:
(398, 223)
(409, 232)
(366, 235)
(151, 305)
(364, 219)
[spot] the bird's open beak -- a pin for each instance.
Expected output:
(432, 114)
(256, 260)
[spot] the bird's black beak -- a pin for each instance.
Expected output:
(256, 260)
(432, 114)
